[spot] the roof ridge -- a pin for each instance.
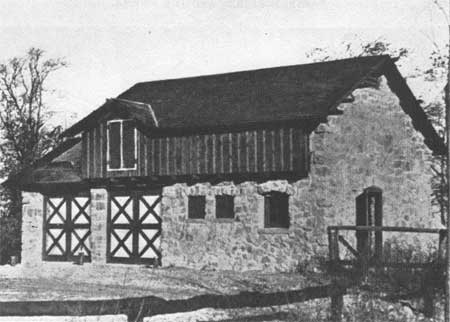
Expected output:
(237, 72)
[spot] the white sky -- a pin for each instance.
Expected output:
(110, 45)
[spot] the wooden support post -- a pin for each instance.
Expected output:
(330, 246)
(333, 240)
(365, 258)
(447, 132)
(337, 304)
(441, 251)
(427, 289)
(336, 245)
(428, 302)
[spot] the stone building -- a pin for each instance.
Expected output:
(234, 171)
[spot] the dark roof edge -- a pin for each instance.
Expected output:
(411, 107)
(58, 150)
(375, 70)
(248, 71)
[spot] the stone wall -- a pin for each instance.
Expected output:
(99, 213)
(212, 243)
(372, 143)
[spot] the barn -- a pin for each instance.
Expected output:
(238, 171)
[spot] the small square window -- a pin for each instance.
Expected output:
(276, 210)
(196, 207)
(225, 206)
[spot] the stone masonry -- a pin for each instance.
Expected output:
(98, 212)
(32, 233)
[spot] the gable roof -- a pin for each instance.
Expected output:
(280, 94)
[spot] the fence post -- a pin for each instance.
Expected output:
(337, 303)
(441, 255)
(336, 245)
(330, 248)
(428, 301)
(365, 257)
(333, 247)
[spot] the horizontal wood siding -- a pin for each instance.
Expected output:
(246, 152)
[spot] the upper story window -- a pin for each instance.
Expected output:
(276, 210)
(121, 145)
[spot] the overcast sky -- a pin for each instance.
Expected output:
(110, 45)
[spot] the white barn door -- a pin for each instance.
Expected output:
(134, 228)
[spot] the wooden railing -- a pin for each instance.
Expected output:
(138, 308)
(369, 255)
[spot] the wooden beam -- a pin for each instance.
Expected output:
(388, 228)
(348, 246)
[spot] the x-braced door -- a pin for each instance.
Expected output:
(134, 228)
(67, 226)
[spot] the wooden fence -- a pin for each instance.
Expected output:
(138, 308)
(368, 255)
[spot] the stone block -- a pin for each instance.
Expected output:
(32, 228)
(276, 185)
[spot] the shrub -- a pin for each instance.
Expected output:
(10, 240)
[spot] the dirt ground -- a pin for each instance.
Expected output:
(69, 282)
(62, 282)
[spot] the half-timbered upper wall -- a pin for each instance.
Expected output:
(262, 151)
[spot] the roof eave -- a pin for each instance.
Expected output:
(412, 108)
(343, 97)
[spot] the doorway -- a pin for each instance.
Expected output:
(134, 227)
(369, 212)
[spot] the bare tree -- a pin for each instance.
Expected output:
(23, 112)
(23, 132)
(436, 111)
(356, 48)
